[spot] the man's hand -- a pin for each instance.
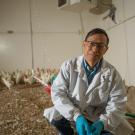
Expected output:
(82, 126)
(97, 127)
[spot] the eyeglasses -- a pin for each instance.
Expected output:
(98, 45)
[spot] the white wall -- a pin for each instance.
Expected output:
(15, 49)
(130, 31)
(124, 37)
(50, 50)
(56, 35)
(54, 31)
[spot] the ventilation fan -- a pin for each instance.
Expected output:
(94, 6)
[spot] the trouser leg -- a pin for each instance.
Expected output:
(106, 133)
(63, 126)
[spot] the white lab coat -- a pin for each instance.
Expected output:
(103, 99)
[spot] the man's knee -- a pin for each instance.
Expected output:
(58, 121)
(52, 114)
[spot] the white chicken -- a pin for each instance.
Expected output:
(28, 78)
(7, 80)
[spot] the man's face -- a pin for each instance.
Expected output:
(94, 48)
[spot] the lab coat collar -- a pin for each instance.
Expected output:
(104, 73)
(100, 77)
(80, 69)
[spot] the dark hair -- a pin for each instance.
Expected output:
(97, 31)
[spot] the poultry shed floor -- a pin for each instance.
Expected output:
(21, 111)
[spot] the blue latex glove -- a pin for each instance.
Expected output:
(82, 126)
(97, 127)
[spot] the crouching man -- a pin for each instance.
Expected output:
(89, 92)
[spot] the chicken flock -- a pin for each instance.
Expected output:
(28, 76)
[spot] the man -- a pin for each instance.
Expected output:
(89, 92)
